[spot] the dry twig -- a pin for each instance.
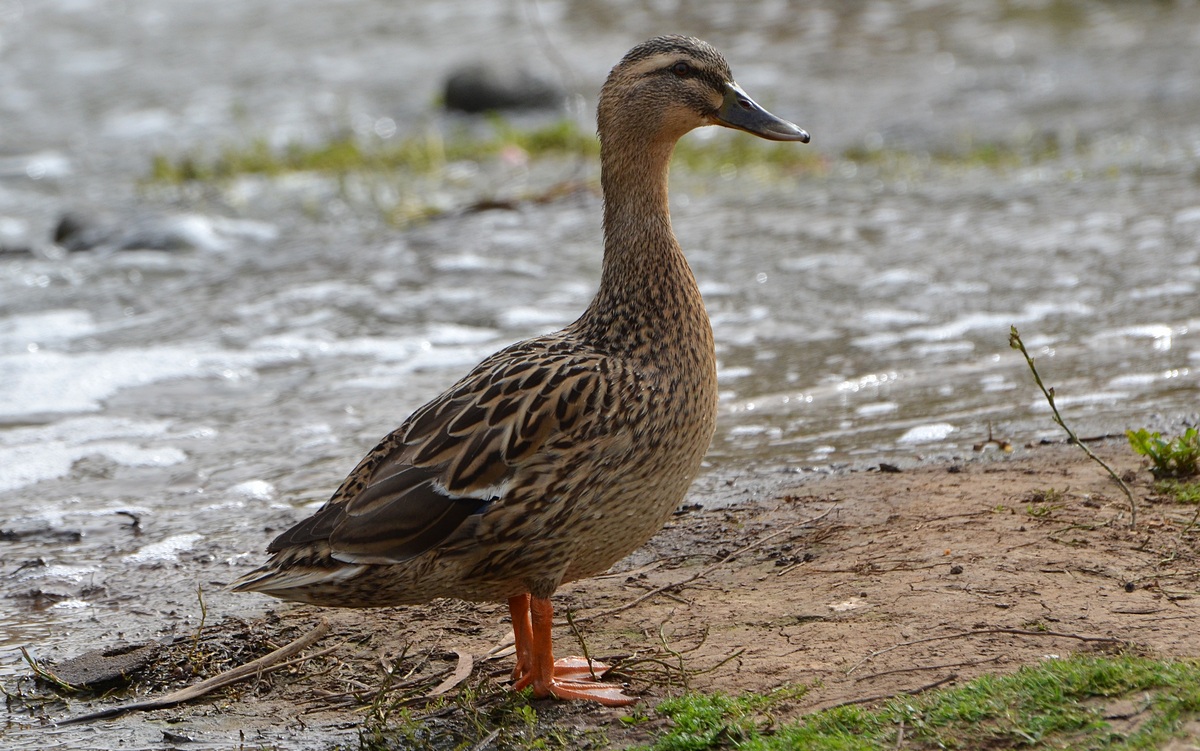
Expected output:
(979, 632)
(918, 668)
(264, 664)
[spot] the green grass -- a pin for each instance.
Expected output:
(1178, 490)
(1043, 503)
(967, 154)
(343, 154)
(1172, 457)
(429, 152)
(1055, 704)
(706, 721)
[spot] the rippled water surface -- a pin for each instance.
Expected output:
(160, 410)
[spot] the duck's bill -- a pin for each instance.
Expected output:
(743, 113)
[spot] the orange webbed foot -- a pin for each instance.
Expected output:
(608, 694)
(566, 678)
(575, 678)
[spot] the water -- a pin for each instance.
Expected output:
(163, 412)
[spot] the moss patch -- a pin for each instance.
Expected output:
(1124, 702)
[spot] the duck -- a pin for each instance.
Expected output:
(559, 455)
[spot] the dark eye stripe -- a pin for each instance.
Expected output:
(685, 69)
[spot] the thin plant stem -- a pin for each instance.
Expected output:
(582, 643)
(1014, 341)
(41, 671)
(199, 629)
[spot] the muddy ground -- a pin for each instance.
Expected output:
(856, 585)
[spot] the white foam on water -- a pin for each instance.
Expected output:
(254, 490)
(898, 277)
(1162, 335)
(56, 382)
(975, 321)
(733, 373)
(752, 430)
(19, 332)
(1166, 289)
(1187, 216)
(21, 466)
(877, 408)
(892, 317)
(930, 433)
(89, 428)
(442, 334)
(473, 263)
(454, 361)
(71, 604)
(307, 345)
(1092, 399)
(1134, 380)
(31, 455)
(878, 340)
(165, 551)
(863, 383)
(534, 318)
(60, 571)
(399, 355)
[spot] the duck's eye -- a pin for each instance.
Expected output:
(681, 69)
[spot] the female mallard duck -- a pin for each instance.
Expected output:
(556, 456)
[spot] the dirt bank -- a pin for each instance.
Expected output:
(857, 585)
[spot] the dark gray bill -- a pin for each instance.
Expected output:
(743, 113)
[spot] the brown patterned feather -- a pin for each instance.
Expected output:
(451, 458)
(556, 456)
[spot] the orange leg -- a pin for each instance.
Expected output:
(518, 608)
(568, 678)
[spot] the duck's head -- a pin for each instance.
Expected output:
(669, 85)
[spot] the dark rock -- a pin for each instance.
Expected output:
(102, 666)
(78, 231)
(478, 87)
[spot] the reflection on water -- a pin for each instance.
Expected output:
(162, 412)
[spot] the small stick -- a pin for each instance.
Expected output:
(981, 631)
(918, 668)
(313, 656)
(582, 643)
(263, 664)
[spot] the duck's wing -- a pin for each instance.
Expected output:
(456, 455)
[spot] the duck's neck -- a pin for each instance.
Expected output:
(647, 290)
